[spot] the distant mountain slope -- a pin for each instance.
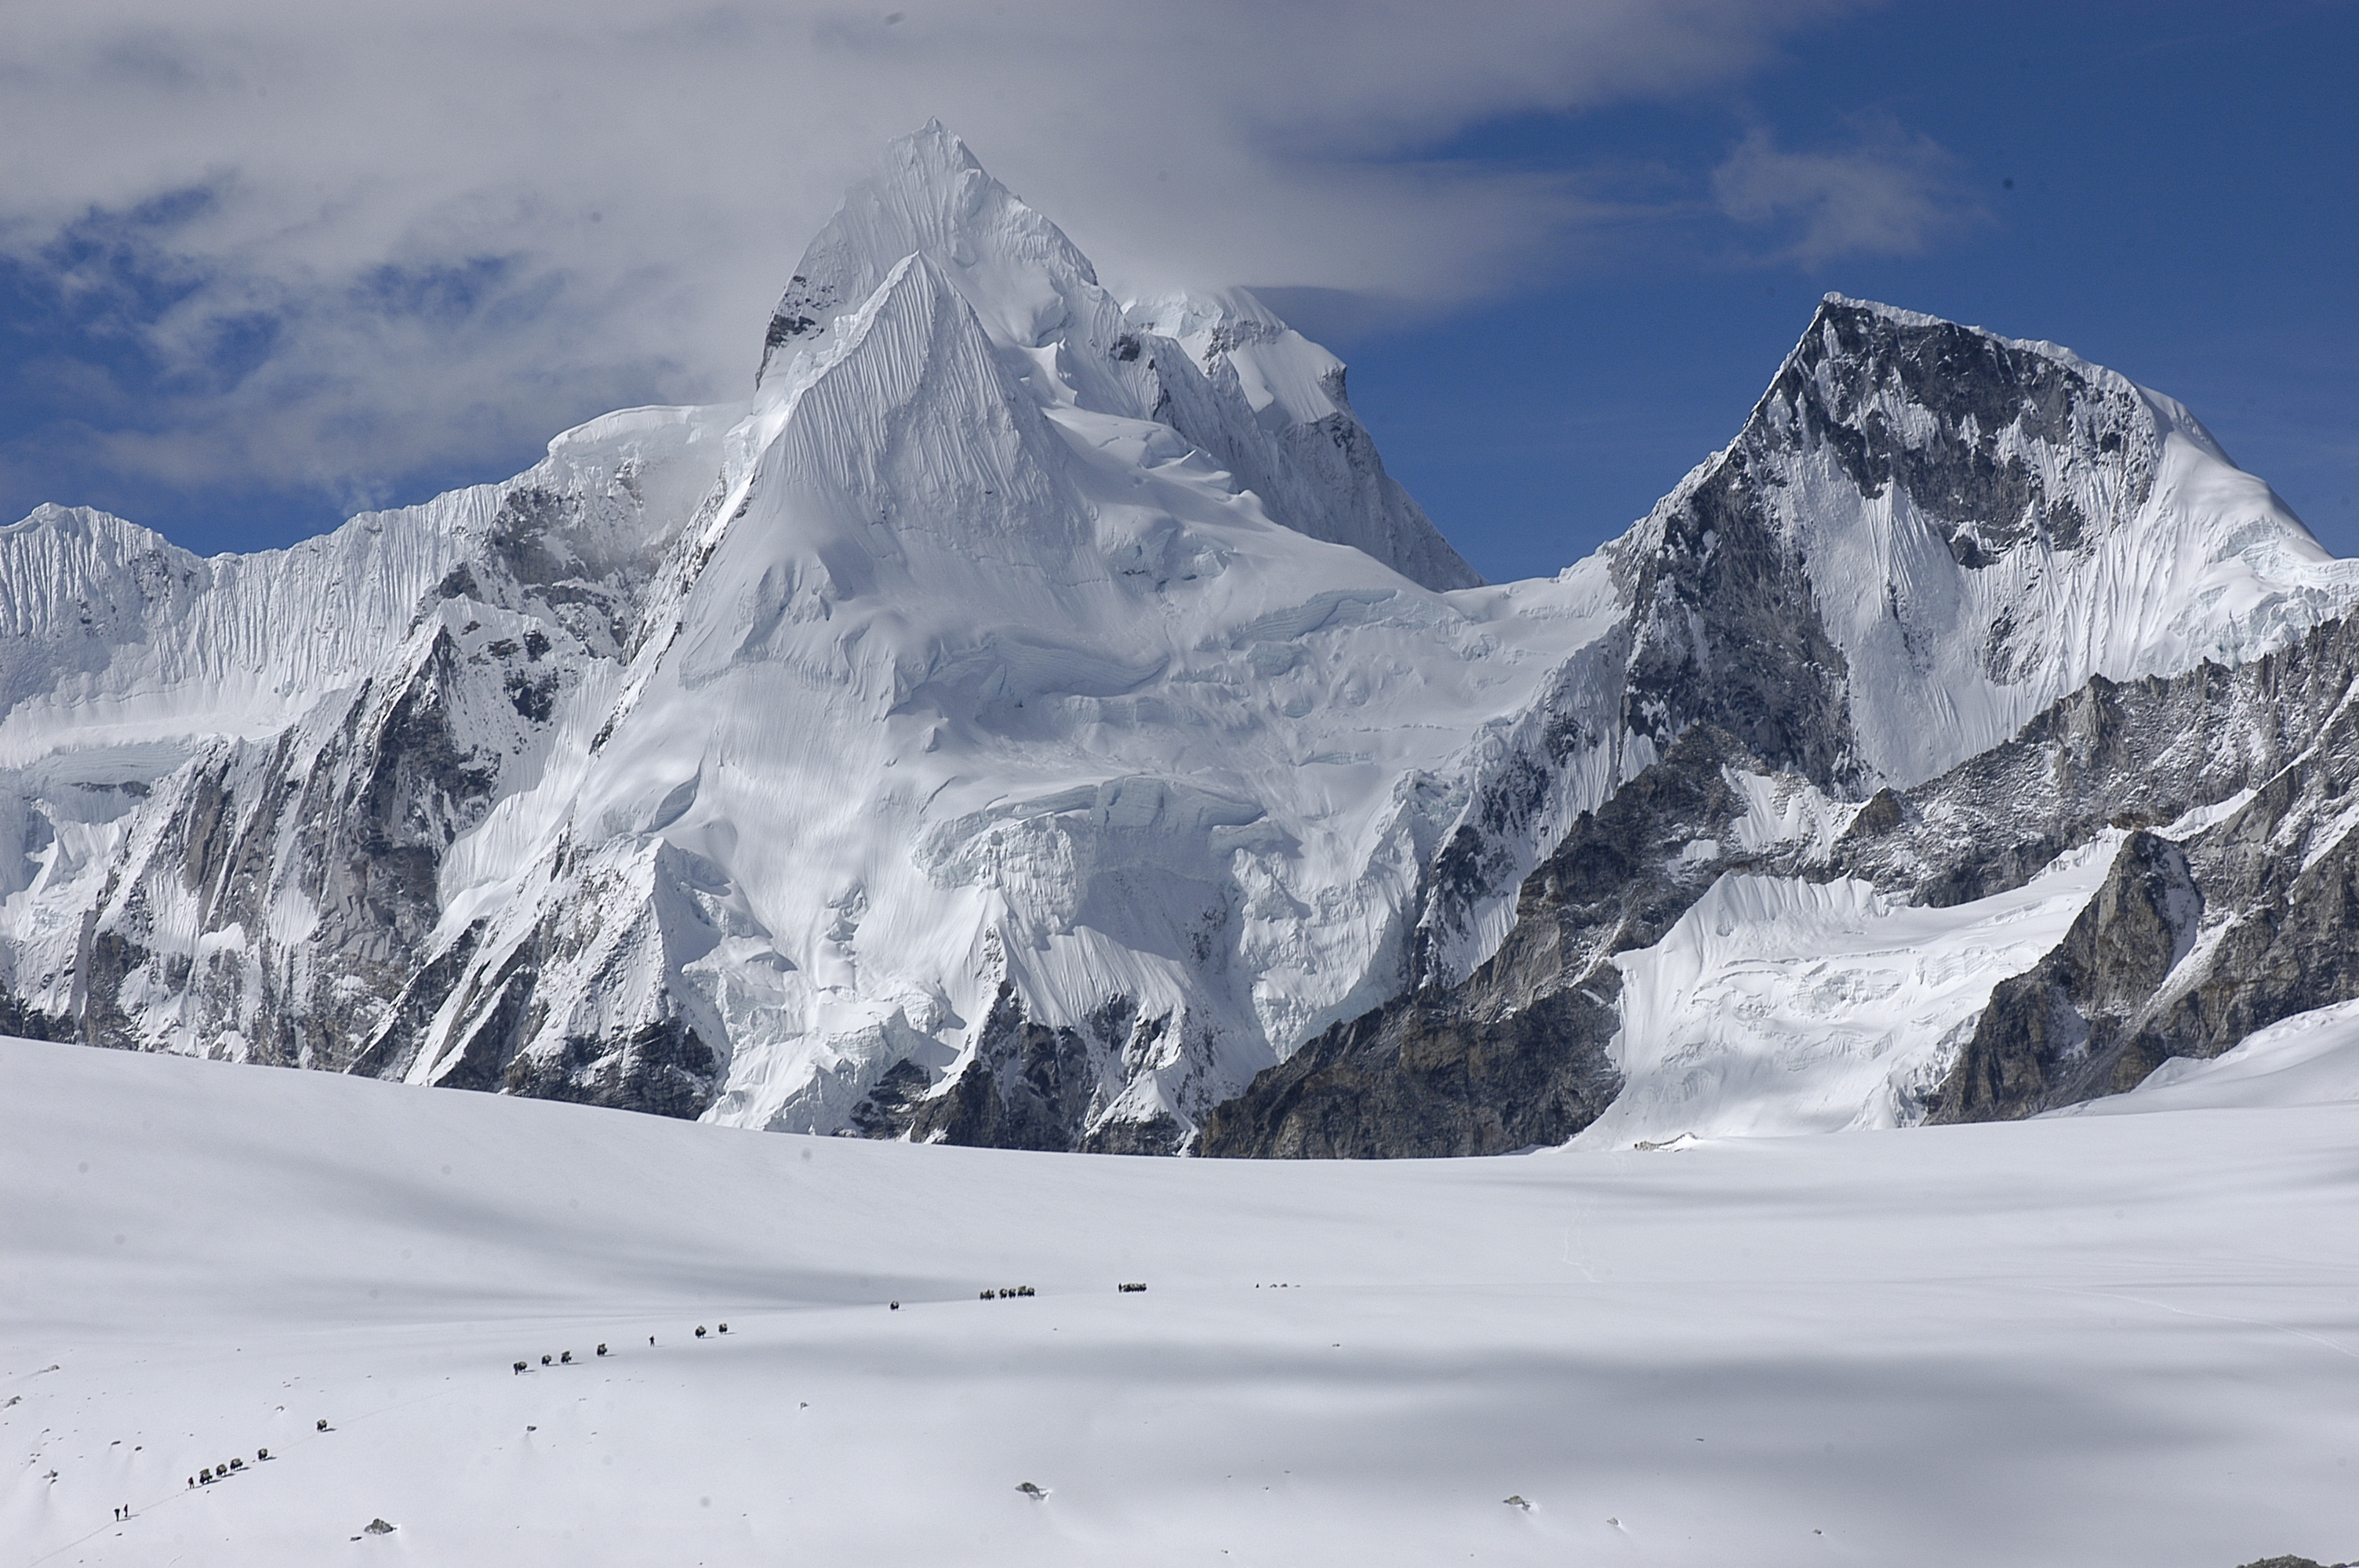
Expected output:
(1030, 718)
(2148, 871)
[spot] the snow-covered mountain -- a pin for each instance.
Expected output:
(1032, 716)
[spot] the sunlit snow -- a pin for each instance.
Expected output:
(2071, 1341)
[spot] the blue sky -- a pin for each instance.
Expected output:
(2184, 208)
(258, 270)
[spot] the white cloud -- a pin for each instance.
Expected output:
(433, 228)
(1888, 193)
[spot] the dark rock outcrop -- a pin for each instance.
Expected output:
(348, 821)
(1974, 389)
(1027, 1086)
(2069, 1029)
(662, 1066)
(1728, 632)
(1419, 1078)
(2272, 750)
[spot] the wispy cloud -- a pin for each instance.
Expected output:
(330, 246)
(1885, 193)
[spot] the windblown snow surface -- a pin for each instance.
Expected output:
(2068, 1341)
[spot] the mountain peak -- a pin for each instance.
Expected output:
(930, 195)
(932, 175)
(1984, 523)
(1932, 346)
(1262, 402)
(1976, 427)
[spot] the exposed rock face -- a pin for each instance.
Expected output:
(346, 819)
(2128, 754)
(1027, 1086)
(1420, 1078)
(2064, 1033)
(1983, 492)
(2244, 921)
(1729, 632)
(661, 1066)
(279, 898)
(2281, 875)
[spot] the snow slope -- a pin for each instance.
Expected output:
(2062, 1342)
(1778, 1006)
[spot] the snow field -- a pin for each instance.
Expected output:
(2122, 1339)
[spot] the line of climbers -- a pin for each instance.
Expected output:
(220, 1472)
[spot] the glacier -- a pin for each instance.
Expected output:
(1032, 715)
